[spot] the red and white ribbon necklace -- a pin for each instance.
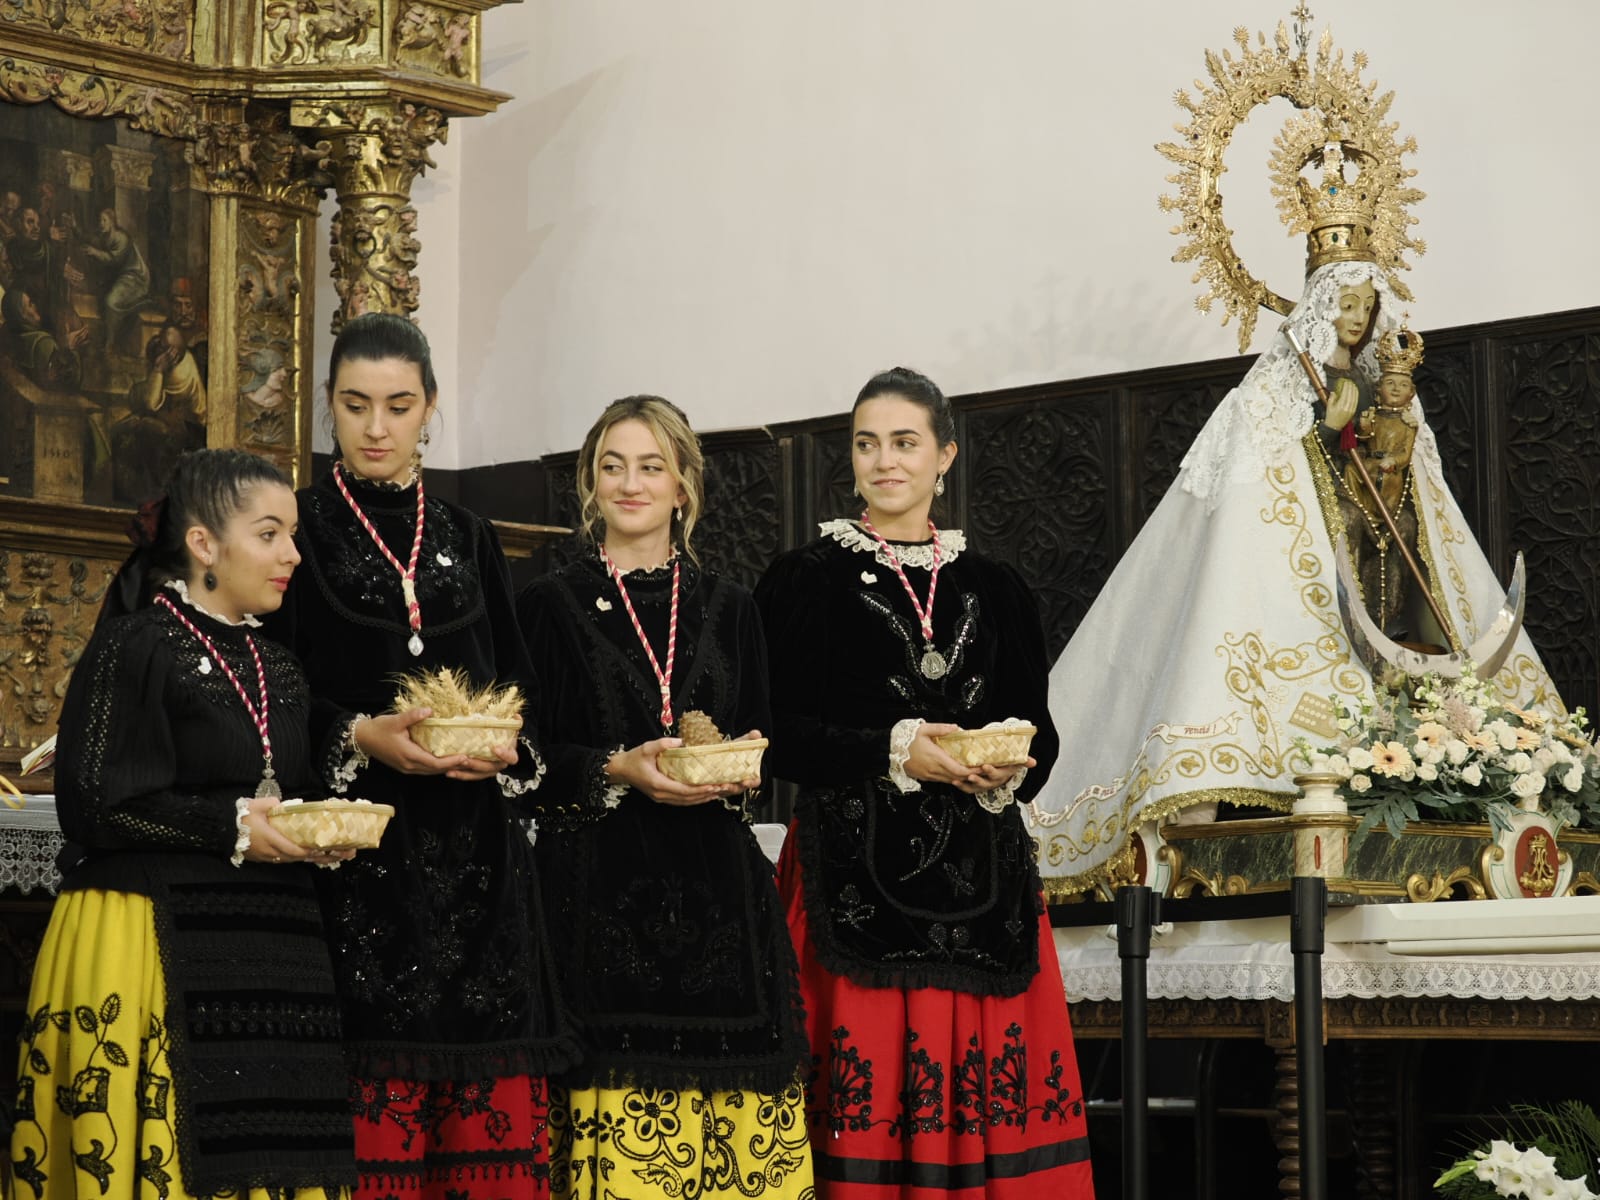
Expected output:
(663, 678)
(933, 663)
(269, 784)
(408, 572)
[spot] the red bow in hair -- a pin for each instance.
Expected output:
(146, 522)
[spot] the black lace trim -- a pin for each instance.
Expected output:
(454, 1061)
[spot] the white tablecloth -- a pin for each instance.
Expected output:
(1464, 952)
(29, 842)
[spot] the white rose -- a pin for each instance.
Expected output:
(1472, 775)
(1339, 765)
(1519, 762)
(1426, 770)
(1530, 784)
(1359, 783)
(1573, 779)
(1544, 758)
(1456, 751)
(1361, 758)
(1432, 753)
(1503, 733)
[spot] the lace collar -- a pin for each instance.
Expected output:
(851, 536)
(656, 570)
(181, 587)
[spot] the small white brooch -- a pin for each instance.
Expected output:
(602, 604)
(205, 665)
(443, 559)
(868, 577)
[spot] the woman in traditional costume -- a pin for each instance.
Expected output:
(943, 1062)
(666, 926)
(182, 1036)
(450, 1017)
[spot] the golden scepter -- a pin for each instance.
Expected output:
(1372, 488)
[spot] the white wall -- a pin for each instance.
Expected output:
(749, 207)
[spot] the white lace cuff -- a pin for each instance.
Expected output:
(351, 758)
(900, 739)
(241, 842)
(512, 787)
(613, 791)
(996, 800)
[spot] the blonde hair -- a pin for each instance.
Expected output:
(680, 446)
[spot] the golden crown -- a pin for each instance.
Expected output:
(1339, 210)
(1399, 351)
(1357, 212)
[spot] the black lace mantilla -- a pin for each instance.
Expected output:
(924, 888)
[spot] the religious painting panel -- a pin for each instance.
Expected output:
(103, 333)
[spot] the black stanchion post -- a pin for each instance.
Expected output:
(1137, 909)
(1307, 932)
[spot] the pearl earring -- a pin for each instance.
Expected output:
(938, 486)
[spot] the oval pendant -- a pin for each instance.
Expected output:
(415, 646)
(933, 664)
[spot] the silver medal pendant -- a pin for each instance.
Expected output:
(415, 645)
(268, 789)
(933, 664)
(443, 559)
(205, 665)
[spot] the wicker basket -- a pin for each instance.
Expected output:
(332, 824)
(476, 737)
(720, 762)
(996, 746)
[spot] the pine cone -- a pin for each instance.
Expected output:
(697, 729)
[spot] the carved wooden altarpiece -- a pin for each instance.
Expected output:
(161, 167)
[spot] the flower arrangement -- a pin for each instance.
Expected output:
(1556, 1161)
(1449, 749)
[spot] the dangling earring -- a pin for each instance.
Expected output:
(209, 580)
(427, 435)
(677, 513)
(938, 486)
(855, 490)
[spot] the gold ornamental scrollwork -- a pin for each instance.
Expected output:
(296, 33)
(1342, 119)
(48, 605)
(375, 154)
(430, 37)
(161, 27)
(83, 94)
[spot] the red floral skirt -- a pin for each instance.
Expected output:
(922, 1093)
(484, 1140)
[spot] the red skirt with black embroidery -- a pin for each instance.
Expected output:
(922, 1094)
(483, 1140)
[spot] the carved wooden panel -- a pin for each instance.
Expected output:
(1448, 384)
(1038, 486)
(739, 532)
(1165, 421)
(1551, 454)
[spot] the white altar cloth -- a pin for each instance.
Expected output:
(1493, 949)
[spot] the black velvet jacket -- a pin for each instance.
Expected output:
(667, 930)
(155, 750)
(438, 935)
(923, 888)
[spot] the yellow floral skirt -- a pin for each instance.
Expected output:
(640, 1143)
(95, 1102)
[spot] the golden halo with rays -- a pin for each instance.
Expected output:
(1336, 107)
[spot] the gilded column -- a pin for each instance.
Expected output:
(375, 153)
